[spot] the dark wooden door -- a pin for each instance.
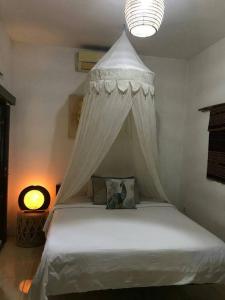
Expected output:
(4, 149)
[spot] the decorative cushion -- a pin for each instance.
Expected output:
(99, 192)
(120, 193)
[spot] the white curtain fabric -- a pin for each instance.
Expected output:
(119, 85)
(145, 124)
(126, 156)
(102, 117)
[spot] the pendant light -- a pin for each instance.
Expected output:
(144, 17)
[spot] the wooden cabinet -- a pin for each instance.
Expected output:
(6, 99)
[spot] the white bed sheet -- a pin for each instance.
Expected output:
(91, 248)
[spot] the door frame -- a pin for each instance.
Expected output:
(4, 153)
(6, 99)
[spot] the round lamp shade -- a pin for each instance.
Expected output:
(34, 197)
(144, 17)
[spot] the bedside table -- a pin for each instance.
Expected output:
(29, 228)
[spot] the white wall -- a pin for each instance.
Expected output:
(43, 78)
(170, 89)
(5, 58)
(204, 200)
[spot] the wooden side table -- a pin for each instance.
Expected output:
(30, 228)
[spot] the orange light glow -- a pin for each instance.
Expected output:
(34, 199)
(25, 285)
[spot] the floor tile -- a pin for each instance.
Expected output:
(17, 265)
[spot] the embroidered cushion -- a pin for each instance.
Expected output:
(99, 193)
(120, 193)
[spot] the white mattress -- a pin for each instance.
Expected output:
(91, 248)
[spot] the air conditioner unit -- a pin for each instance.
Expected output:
(86, 59)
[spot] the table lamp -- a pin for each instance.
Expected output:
(34, 198)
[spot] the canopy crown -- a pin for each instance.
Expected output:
(122, 55)
(122, 68)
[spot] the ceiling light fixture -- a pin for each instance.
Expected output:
(144, 17)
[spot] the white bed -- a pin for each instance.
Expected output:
(91, 248)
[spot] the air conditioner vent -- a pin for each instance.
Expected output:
(86, 59)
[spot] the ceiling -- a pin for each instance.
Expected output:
(189, 25)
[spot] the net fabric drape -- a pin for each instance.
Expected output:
(126, 156)
(143, 111)
(119, 85)
(102, 117)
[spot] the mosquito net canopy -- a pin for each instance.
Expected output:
(119, 105)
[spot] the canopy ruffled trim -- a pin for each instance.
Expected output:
(121, 80)
(122, 86)
(121, 74)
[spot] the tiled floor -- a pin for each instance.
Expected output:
(18, 265)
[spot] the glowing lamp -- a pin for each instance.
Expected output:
(34, 198)
(144, 17)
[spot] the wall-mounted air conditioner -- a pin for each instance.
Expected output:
(86, 59)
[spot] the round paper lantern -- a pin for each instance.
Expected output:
(34, 197)
(144, 17)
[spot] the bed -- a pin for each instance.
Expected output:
(90, 248)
